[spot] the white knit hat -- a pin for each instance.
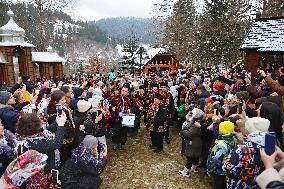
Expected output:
(97, 91)
(83, 105)
(257, 124)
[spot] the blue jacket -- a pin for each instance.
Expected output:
(9, 117)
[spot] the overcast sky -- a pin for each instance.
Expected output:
(97, 9)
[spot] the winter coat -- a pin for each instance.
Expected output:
(271, 178)
(158, 118)
(243, 165)
(181, 111)
(193, 142)
(9, 117)
(81, 170)
(279, 89)
(47, 145)
(7, 153)
(222, 147)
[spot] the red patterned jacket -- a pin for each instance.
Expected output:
(116, 106)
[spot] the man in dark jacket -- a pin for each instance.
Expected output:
(80, 94)
(157, 123)
(8, 115)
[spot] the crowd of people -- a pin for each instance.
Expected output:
(54, 134)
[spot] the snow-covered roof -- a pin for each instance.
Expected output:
(2, 58)
(46, 57)
(12, 34)
(11, 26)
(10, 43)
(266, 35)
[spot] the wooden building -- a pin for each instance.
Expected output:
(15, 53)
(17, 58)
(162, 62)
(49, 64)
(265, 38)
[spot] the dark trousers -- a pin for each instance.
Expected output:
(119, 134)
(191, 161)
(219, 181)
(167, 134)
(180, 121)
(157, 139)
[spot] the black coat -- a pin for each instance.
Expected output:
(81, 175)
(49, 146)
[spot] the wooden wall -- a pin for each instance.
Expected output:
(26, 67)
(162, 61)
(45, 70)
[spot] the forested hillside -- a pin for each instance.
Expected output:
(121, 28)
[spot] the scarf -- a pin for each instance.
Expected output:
(24, 167)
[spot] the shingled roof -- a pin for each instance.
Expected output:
(266, 35)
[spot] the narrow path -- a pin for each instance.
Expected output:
(138, 167)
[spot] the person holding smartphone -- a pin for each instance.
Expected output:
(243, 164)
(84, 167)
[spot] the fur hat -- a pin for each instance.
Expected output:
(83, 106)
(77, 91)
(4, 97)
(90, 142)
(226, 127)
(257, 124)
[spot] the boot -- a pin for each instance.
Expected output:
(184, 172)
(194, 169)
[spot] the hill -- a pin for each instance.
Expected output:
(121, 28)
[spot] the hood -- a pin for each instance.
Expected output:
(81, 153)
(257, 137)
(229, 138)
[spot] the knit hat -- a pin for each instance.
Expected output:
(226, 127)
(77, 91)
(197, 113)
(257, 124)
(243, 95)
(83, 105)
(219, 86)
(90, 142)
(159, 96)
(4, 97)
(98, 91)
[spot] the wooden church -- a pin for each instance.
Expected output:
(16, 56)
